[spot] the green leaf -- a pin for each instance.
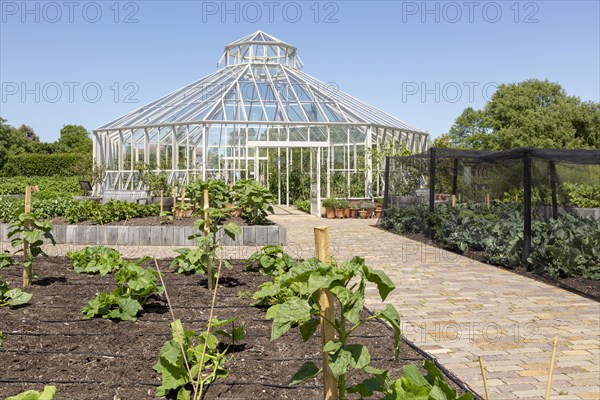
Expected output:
(232, 230)
(308, 328)
(441, 391)
(286, 314)
(183, 394)
(433, 372)
(390, 315)
(128, 309)
(339, 361)
(352, 303)
(307, 371)
(379, 278)
(360, 355)
(17, 297)
(412, 373)
(49, 393)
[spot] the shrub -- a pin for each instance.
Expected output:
(58, 164)
(303, 205)
(49, 186)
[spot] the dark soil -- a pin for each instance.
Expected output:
(585, 287)
(49, 343)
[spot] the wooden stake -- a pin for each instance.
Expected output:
(174, 195)
(553, 359)
(488, 200)
(27, 272)
(209, 267)
(485, 385)
(161, 201)
(327, 306)
(182, 197)
(27, 199)
(453, 200)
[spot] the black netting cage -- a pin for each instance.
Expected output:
(520, 185)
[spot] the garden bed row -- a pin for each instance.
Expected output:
(49, 343)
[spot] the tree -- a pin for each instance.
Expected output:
(532, 113)
(12, 141)
(28, 133)
(73, 139)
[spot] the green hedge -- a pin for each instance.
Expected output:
(49, 186)
(59, 164)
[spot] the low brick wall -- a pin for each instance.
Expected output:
(156, 235)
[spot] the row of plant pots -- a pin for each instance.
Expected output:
(341, 208)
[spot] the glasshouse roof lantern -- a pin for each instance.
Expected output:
(260, 48)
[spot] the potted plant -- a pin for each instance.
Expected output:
(329, 205)
(369, 206)
(340, 208)
(363, 214)
(347, 209)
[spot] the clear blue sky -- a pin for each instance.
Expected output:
(423, 62)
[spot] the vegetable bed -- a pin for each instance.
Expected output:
(48, 342)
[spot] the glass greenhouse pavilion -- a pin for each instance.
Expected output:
(257, 117)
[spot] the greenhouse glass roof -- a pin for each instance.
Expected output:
(259, 80)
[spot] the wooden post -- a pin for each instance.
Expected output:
(485, 385)
(453, 200)
(174, 195)
(488, 200)
(209, 267)
(553, 359)
(161, 201)
(27, 272)
(327, 306)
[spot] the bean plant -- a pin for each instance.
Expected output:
(10, 297)
(189, 362)
(96, 260)
(29, 231)
(347, 282)
(135, 285)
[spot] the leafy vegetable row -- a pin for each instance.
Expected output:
(567, 246)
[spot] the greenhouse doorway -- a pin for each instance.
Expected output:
(315, 181)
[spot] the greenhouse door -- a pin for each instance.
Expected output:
(315, 181)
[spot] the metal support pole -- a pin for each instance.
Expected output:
(553, 188)
(455, 178)
(386, 186)
(526, 207)
(431, 179)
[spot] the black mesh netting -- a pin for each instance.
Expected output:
(524, 197)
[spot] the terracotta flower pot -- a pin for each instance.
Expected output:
(363, 214)
(353, 212)
(346, 212)
(339, 213)
(330, 212)
(378, 212)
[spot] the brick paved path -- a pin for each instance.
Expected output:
(457, 309)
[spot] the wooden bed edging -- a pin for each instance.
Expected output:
(164, 235)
